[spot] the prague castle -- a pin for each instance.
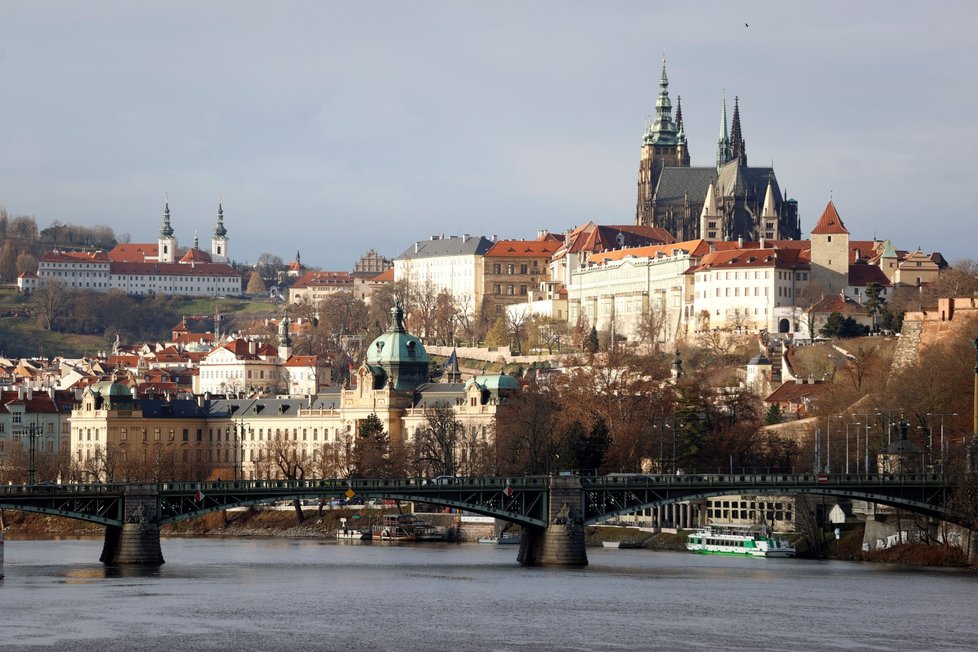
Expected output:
(726, 201)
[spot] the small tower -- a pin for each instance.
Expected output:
(284, 339)
(768, 228)
(723, 141)
(167, 243)
(711, 222)
(219, 243)
(830, 253)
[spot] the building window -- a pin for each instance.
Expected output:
(495, 289)
(510, 269)
(497, 268)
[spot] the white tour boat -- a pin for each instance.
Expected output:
(742, 540)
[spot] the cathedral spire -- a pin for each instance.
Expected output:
(166, 230)
(738, 149)
(723, 142)
(662, 131)
(681, 132)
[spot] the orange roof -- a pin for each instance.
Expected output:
(830, 223)
(386, 276)
(751, 258)
(792, 392)
(130, 252)
(523, 249)
(75, 257)
(695, 247)
(196, 256)
(302, 361)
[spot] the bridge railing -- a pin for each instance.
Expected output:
(765, 479)
(339, 484)
(41, 489)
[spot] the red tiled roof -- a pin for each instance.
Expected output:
(695, 247)
(131, 252)
(830, 222)
(75, 257)
(737, 258)
(302, 361)
(792, 392)
(176, 269)
(196, 256)
(386, 276)
(862, 274)
(523, 249)
(838, 303)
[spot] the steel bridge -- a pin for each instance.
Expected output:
(537, 503)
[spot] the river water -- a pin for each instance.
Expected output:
(282, 594)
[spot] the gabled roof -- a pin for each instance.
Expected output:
(196, 256)
(592, 238)
(792, 392)
(840, 304)
(830, 223)
(676, 184)
(386, 276)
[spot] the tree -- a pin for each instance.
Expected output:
(591, 343)
(50, 301)
(774, 415)
(875, 304)
(290, 460)
(529, 438)
(372, 452)
(838, 326)
(498, 335)
(652, 325)
(255, 284)
(435, 446)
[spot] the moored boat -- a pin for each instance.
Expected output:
(744, 541)
(621, 545)
(506, 538)
(350, 534)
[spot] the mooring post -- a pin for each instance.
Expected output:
(137, 540)
(561, 543)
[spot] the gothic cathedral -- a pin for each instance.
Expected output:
(723, 202)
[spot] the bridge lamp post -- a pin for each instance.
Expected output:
(32, 453)
(869, 419)
(941, 415)
(828, 441)
(857, 424)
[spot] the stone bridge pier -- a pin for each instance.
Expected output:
(137, 540)
(562, 541)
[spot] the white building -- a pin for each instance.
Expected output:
(454, 263)
(624, 286)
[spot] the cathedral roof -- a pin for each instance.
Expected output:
(675, 184)
(830, 223)
(736, 179)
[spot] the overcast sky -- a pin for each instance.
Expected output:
(333, 128)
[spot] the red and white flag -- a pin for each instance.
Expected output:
(198, 496)
(508, 491)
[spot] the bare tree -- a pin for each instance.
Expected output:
(51, 302)
(436, 445)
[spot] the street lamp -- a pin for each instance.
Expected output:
(32, 433)
(941, 415)
(828, 441)
(857, 424)
(869, 419)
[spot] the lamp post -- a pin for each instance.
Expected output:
(828, 441)
(857, 424)
(941, 415)
(32, 453)
(869, 419)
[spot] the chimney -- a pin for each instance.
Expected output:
(20, 392)
(30, 393)
(762, 244)
(740, 242)
(252, 347)
(417, 245)
(495, 237)
(465, 238)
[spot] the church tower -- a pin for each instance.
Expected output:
(738, 149)
(167, 243)
(830, 253)
(768, 228)
(284, 339)
(664, 145)
(219, 243)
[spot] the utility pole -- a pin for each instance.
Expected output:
(32, 453)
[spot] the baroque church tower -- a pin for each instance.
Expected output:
(664, 145)
(167, 244)
(219, 243)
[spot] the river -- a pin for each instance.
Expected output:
(285, 594)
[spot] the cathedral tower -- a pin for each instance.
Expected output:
(664, 145)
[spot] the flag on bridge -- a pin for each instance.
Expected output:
(508, 491)
(198, 496)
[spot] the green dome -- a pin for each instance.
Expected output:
(494, 383)
(111, 389)
(401, 355)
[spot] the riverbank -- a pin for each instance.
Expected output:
(283, 523)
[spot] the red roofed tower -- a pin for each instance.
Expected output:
(830, 253)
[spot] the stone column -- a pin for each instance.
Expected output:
(562, 541)
(658, 516)
(137, 540)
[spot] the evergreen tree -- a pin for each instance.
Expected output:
(591, 343)
(774, 415)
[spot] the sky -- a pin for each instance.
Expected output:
(331, 128)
